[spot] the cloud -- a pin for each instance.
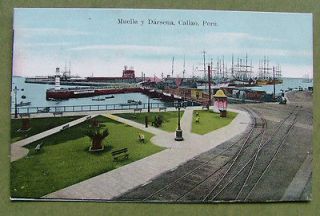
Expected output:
(263, 52)
(237, 36)
(49, 31)
(44, 44)
(128, 48)
(298, 71)
(225, 39)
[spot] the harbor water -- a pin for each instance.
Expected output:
(36, 94)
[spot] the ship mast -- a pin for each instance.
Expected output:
(223, 72)
(204, 64)
(172, 66)
(184, 66)
(69, 69)
(264, 68)
(232, 67)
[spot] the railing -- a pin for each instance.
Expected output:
(88, 108)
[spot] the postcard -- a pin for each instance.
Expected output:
(159, 105)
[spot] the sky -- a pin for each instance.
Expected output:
(94, 43)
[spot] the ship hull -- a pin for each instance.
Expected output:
(64, 94)
(269, 82)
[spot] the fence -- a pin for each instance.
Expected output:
(88, 108)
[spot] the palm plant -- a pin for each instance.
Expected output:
(97, 136)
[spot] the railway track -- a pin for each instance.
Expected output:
(235, 177)
(253, 170)
(206, 164)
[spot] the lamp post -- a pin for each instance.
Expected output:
(15, 90)
(178, 131)
(148, 104)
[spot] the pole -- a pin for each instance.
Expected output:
(178, 131)
(274, 85)
(15, 102)
(146, 121)
(148, 104)
(209, 83)
(179, 127)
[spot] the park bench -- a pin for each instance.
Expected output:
(44, 110)
(57, 113)
(122, 153)
(65, 127)
(24, 115)
(137, 110)
(162, 108)
(141, 137)
(38, 147)
(205, 107)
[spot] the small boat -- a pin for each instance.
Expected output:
(98, 99)
(59, 100)
(108, 97)
(133, 102)
(23, 104)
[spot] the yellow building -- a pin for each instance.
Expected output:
(196, 94)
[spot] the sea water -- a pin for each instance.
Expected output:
(288, 83)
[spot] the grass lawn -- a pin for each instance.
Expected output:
(170, 119)
(210, 121)
(38, 125)
(64, 158)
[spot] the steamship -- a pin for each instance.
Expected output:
(58, 93)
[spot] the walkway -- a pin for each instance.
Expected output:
(296, 187)
(116, 182)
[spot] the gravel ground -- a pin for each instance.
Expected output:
(259, 171)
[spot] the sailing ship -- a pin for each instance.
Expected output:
(268, 75)
(242, 72)
(306, 79)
